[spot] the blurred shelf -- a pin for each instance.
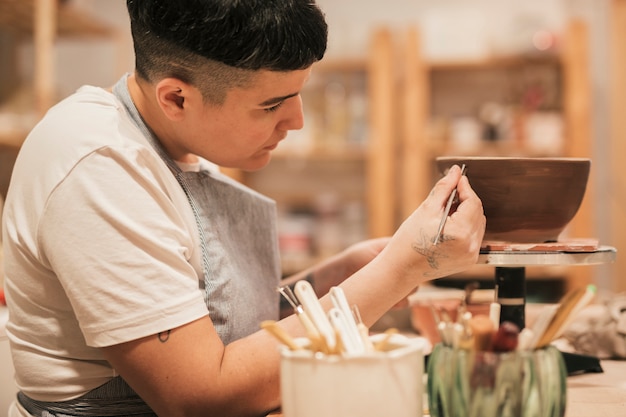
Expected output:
(12, 139)
(502, 61)
(350, 65)
(517, 148)
(343, 152)
(18, 18)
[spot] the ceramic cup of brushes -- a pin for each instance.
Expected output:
(339, 369)
(483, 372)
(385, 381)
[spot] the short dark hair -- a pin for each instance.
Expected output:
(218, 44)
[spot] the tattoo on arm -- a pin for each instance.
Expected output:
(164, 336)
(423, 245)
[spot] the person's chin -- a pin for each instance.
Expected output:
(258, 162)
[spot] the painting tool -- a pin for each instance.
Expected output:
(339, 322)
(279, 333)
(363, 330)
(494, 310)
(482, 330)
(541, 324)
(572, 302)
(309, 327)
(313, 308)
(447, 210)
(382, 344)
(340, 302)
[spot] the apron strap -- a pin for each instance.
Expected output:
(113, 399)
(120, 90)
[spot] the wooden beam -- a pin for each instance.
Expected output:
(577, 103)
(617, 142)
(415, 155)
(44, 36)
(381, 148)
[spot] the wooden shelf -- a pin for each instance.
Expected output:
(13, 139)
(345, 152)
(351, 65)
(18, 17)
(41, 22)
(502, 61)
(617, 142)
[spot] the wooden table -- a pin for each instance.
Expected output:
(599, 394)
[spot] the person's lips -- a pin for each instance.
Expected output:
(275, 144)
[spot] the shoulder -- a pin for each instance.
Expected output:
(90, 118)
(87, 135)
(91, 121)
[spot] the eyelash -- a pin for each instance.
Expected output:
(273, 108)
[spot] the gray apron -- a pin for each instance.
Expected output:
(237, 229)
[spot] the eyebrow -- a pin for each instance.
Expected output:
(276, 100)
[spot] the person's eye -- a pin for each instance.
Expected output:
(273, 108)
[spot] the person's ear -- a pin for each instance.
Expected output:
(172, 96)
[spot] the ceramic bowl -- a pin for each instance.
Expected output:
(526, 200)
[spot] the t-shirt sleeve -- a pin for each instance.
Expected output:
(121, 248)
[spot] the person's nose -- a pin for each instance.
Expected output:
(293, 116)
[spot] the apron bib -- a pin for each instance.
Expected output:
(238, 239)
(241, 267)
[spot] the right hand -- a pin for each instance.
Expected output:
(412, 249)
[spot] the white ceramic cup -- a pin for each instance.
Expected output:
(388, 383)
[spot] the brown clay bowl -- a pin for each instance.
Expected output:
(526, 200)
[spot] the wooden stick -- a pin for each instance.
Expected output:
(382, 344)
(280, 334)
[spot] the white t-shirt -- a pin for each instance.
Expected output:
(100, 244)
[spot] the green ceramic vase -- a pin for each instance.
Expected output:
(465, 383)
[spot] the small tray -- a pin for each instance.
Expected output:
(572, 245)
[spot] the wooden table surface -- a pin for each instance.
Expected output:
(599, 394)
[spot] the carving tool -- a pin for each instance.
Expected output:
(447, 210)
(483, 330)
(494, 310)
(382, 344)
(280, 334)
(309, 301)
(572, 302)
(309, 327)
(363, 330)
(339, 300)
(339, 322)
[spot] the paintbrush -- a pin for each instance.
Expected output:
(571, 304)
(447, 210)
(272, 327)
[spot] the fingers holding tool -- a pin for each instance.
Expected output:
(463, 212)
(452, 199)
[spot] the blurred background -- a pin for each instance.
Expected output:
(403, 82)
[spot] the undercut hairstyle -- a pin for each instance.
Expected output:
(216, 45)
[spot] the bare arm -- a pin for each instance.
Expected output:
(188, 371)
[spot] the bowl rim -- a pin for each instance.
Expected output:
(517, 158)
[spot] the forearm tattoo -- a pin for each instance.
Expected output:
(424, 246)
